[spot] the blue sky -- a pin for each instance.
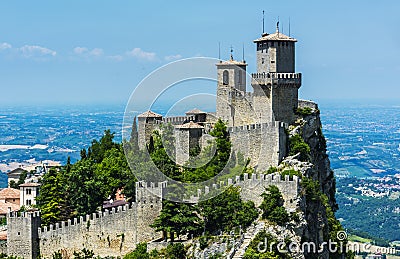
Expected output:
(67, 52)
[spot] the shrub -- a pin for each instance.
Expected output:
(304, 111)
(297, 145)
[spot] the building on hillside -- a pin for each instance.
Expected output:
(15, 174)
(9, 201)
(28, 194)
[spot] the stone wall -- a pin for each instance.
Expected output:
(112, 232)
(252, 186)
(22, 234)
(284, 102)
(264, 144)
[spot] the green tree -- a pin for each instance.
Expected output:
(272, 206)
(227, 211)
(21, 180)
(98, 149)
(218, 162)
(297, 145)
(176, 251)
(177, 218)
(52, 199)
(86, 192)
(112, 173)
(134, 140)
(140, 252)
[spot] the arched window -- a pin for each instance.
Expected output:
(225, 77)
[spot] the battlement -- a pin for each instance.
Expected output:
(61, 227)
(175, 120)
(273, 124)
(276, 78)
(112, 232)
(254, 185)
(15, 214)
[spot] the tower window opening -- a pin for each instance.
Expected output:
(225, 77)
(262, 61)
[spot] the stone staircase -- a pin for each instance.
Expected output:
(251, 232)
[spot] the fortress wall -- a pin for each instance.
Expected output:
(285, 57)
(264, 144)
(22, 237)
(285, 102)
(178, 120)
(243, 111)
(252, 186)
(223, 109)
(113, 232)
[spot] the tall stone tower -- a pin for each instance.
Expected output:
(276, 84)
(22, 234)
(148, 122)
(231, 91)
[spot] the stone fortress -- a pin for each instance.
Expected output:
(256, 120)
(257, 123)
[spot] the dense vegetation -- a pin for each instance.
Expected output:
(272, 206)
(172, 251)
(298, 146)
(80, 188)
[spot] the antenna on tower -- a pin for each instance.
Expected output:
(263, 22)
(277, 26)
(231, 52)
(289, 26)
(243, 53)
(219, 50)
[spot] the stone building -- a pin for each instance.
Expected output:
(28, 194)
(257, 119)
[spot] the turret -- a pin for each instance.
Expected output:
(22, 234)
(148, 122)
(231, 76)
(275, 53)
(276, 83)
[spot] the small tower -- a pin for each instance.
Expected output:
(23, 235)
(231, 76)
(187, 137)
(148, 122)
(276, 84)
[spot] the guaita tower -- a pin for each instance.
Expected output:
(275, 85)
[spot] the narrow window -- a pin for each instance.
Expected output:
(225, 76)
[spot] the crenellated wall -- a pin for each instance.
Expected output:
(22, 234)
(252, 186)
(112, 232)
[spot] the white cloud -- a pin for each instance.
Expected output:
(173, 57)
(33, 51)
(5, 45)
(96, 52)
(80, 50)
(116, 57)
(141, 54)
